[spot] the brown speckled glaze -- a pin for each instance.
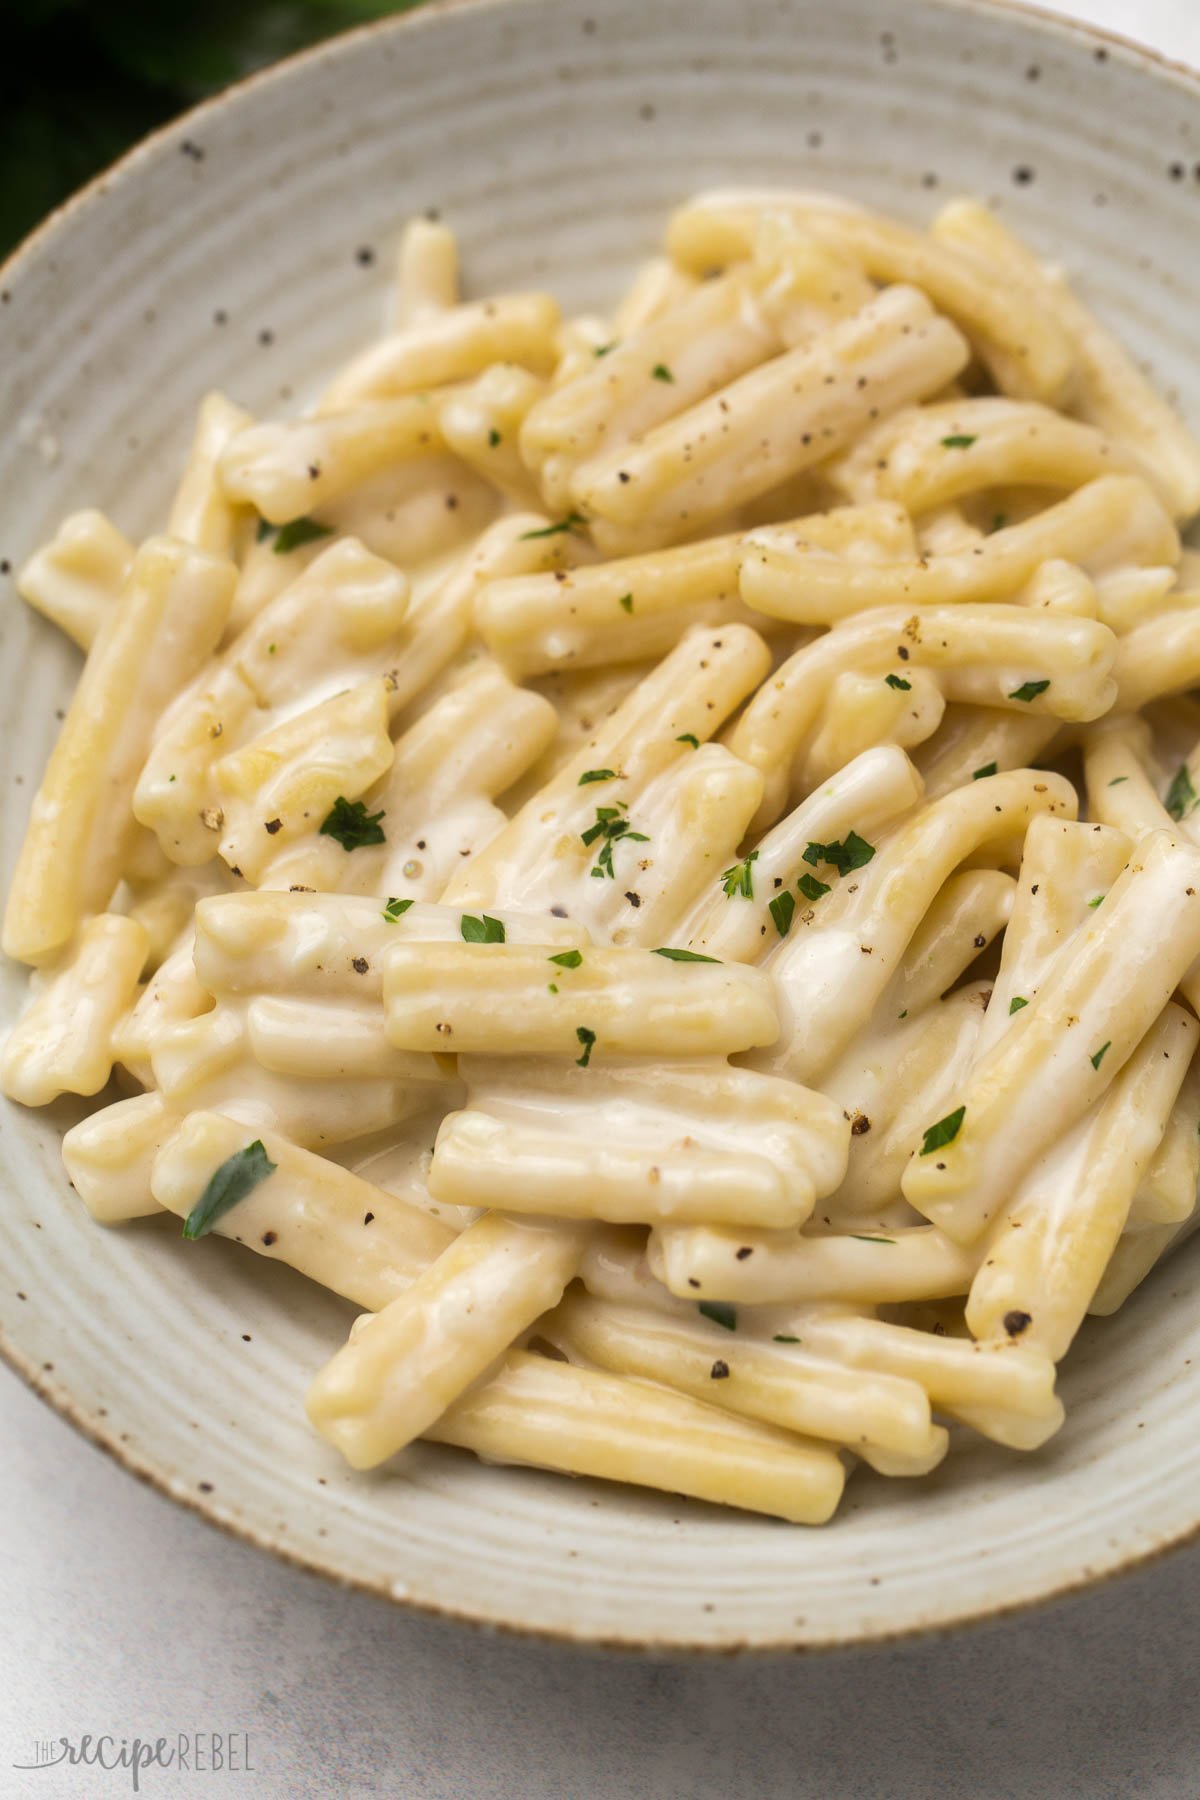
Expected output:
(246, 248)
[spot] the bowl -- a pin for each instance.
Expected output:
(246, 247)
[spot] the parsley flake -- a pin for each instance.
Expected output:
(596, 775)
(898, 681)
(572, 522)
(720, 1313)
(861, 1237)
(603, 349)
(481, 931)
(944, 1132)
(852, 854)
(739, 879)
(811, 888)
(782, 910)
(236, 1177)
(395, 909)
(1029, 690)
(626, 603)
(298, 532)
(1016, 1003)
(960, 440)
(1181, 795)
(673, 955)
(688, 737)
(611, 828)
(1117, 780)
(981, 774)
(352, 825)
(587, 1039)
(1100, 1054)
(1098, 901)
(567, 959)
(493, 438)
(781, 1337)
(661, 372)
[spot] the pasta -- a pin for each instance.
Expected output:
(657, 855)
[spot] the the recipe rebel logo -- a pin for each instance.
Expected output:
(187, 1752)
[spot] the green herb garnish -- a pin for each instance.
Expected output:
(1117, 780)
(944, 1132)
(1016, 1003)
(1181, 795)
(860, 1237)
(740, 878)
(1098, 901)
(626, 603)
(611, 827)
(394, 908)
(493, 437)
(298, 532)
(568, 959)
(481, 931)
(661, 372)
(673, 955)
(898, 681)
(987, 769)
(852, 854)
(265, 530)
(959, 441)
(688, 737)
(587, 1039)
(782, 910)
(603, 349)
(596, 775)
(1029, 690)
(811, 888)
(352, 825)
(999, 521)
(235, 1178)
(781, 1337)
(1100, 1054)
(572, 522)
(720, 1313)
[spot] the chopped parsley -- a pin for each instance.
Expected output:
(739, 879)
(1016, 1003)
(596, 775)
(1181, 795)
(960, 440)
(298, 532)
(572, 522)
(394, 909)
(861, 1237)
(999, 521)
(944, 1132)
(1100, 1054)
(493, 437)
(781, 1337)
(673, 955)
(265, 530)
(587, 1039)
(611, 828)
(720, 1313)
(235, 1178)
(811, 888)
(352, 825)
(1029, 690)
(481, 931)
(1117, 780)
(661, 372)
(852, 854)
(626, 603)
(603, 349)
(688, 737)
(782, 910)
(1098, 901)
(568, 959)
(981, 774)
(898, 681)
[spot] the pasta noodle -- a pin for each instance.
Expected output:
(657, 855)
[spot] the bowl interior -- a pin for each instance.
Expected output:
(554, 135)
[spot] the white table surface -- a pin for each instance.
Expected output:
(123, 1614)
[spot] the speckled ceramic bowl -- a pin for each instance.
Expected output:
(232, 250)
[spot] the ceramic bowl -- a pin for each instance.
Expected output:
(247, 247)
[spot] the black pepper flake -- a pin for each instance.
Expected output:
(634, 899)
(266, 336)
(980, 940)
(719, 1370)
(558, 912)
(268, 1237)
(367, 1217)
(1023, 174)
(271, 826)
(692, 1282)
(360, 965)
(364, 256)
(206, 1487)
(859, 1125)
(745, 1251)
(1016, 1322)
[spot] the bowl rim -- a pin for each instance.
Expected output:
(422, 16)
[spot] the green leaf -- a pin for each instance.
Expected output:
(352, 825)
(1100, 1054)
(1181, 795)
(395, 910)
(897, 681)
(587, 1039)
(740, 878)
(959, 441)
(1029, 690)
(944, 1132)
(626, 605)
(298, 532)
(237, 1176)
(861, 1237)
(603, 349)
(1098, 901)
(1117, 780)
(568, 959)
(781, 1337)
(811, 888)
(999, 521)
(596, 775)
(854, 853)
(481, 931)
(720, 1313)
(1016, 1003)
(661, 372)
(782, 910)
(688, 737)
(981, 774)
(572, 522)
(493, 438)
(684, 955)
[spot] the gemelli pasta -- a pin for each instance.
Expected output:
(657, 855)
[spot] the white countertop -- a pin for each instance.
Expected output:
(124, 1614)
